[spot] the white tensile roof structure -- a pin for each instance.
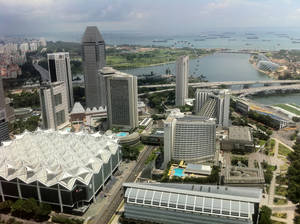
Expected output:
(52, 157)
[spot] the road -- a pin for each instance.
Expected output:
(226, 83)
(43, 72)
(117, 198)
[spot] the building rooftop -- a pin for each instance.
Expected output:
(212, 199)
(78, 109)
(92, 34)
(239, 133)
(52, 157)
(198, 168)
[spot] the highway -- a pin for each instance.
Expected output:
(117, 198)
(250, 91)
(227, 83)
(43, 72)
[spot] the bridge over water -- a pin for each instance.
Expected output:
(227, 83)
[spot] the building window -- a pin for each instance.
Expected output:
(57, 99)
(60, 117)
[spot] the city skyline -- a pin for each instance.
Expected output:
(142, 16)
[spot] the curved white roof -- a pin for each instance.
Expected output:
(52, 157)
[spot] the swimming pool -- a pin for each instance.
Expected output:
(122, 134)
(178, 172)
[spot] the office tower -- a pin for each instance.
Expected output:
(189, 138)
(121, 99)
(182, 72)
(93, 57)
(213, 103)
(4, 132)
(60, 70)
(54, 105)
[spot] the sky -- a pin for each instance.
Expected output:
(145, 16)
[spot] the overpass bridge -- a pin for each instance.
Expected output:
(252, 91)
(227, 83)
(248, 91)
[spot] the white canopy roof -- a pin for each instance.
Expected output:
(52, 157)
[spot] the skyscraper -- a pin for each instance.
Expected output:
(121, 98)
(182, 72)
(213, 103)
(4, 132)
(54, 105)
(93, 57)
(189, 138)
(60, 70)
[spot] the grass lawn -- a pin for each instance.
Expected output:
(282, 191)
(270, 147)
(282, 150)
(280, 215)
(284, 167)
(288, 108)
(279, 201)
(295, 105)
(261, 142)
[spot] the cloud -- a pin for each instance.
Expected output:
(164, 16)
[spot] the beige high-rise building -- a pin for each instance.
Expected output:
(60, 70)
(121, 98)
(188, 138)
(54, 105)
(182, 80)
(213, 103)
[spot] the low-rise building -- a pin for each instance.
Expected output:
(65, 170)
(239, 139)
(190, 203)
(244, 176)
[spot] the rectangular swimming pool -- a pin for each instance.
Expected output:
(178, 172)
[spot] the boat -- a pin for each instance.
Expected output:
(252, 37)
(160, 41)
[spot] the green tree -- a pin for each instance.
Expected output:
(265, 215)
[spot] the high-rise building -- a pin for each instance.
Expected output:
(213, 103)
(60, 70)
(189, 138)
(121, 98)
(182, 73)
(24, 47)
(43, 42)
(4, 132)
(93, 57)
(54, 105)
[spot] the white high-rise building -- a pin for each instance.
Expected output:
(54, 105)
(213, 103)
(24, 47)
(4, 131)
(93, 57)
(182, 73)
(43, 42)
(121, 88)
(189, 138)
(33, 46)
(60, 70)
